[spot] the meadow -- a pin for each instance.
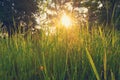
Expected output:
(69, 54)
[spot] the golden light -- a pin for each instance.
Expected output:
(66, 20)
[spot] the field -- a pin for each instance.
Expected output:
(69, 54)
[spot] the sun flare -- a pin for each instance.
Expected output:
(66, 20)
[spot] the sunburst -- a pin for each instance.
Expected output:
(66, 21)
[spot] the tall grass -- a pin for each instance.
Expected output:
(70, 54)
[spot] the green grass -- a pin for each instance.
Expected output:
(70, 54)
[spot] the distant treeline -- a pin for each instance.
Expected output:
(13, 12)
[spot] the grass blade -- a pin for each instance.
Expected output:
(92, 64)
(105, 67)
(112, 76)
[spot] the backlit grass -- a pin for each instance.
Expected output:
(70, 54)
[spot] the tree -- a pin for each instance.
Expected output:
(14, 11)
(111, 12)
(105, 12)
(101, 12)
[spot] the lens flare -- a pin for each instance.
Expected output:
(66, 20)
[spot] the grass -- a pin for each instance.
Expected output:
(70, 54)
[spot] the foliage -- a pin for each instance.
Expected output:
(105, 12)
(50, 13)
(100, 12)
(12, 12)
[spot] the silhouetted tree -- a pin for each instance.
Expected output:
(106, 14)
(14, 11)
(111, 12)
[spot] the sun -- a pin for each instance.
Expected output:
(66, 21)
